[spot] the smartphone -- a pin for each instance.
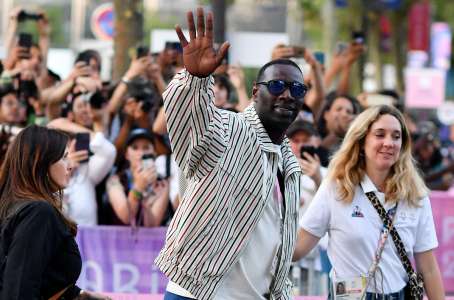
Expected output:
(83, 142)
(25, 40)
(320, 57)
(358, 37)
(299, 51)
(174, 46)
(142, 51)
(155, 57)
(308, 149)
(341, 47)
(147, 160)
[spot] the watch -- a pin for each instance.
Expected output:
(125, 80)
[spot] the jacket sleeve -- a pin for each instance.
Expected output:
(34, 241)
(194, 124)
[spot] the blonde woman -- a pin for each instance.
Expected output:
(375, 158)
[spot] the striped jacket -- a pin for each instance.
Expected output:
(220, 154)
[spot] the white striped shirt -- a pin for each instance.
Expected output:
(220, 153)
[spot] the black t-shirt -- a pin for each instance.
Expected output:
(42, 257)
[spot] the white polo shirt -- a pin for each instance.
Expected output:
(354, 230)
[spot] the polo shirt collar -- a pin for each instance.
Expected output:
(368, 185)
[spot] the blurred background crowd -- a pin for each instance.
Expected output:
(123, 170)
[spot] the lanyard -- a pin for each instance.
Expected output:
(385, 231)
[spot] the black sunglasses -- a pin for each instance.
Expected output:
(277, 87)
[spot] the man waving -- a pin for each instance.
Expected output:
(233, 234)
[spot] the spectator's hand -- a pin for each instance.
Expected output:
(80, 69)
(154, 72)
(13, 15)
(282, 51)
(354, 51)
(133, 109)
(43, 25)
(310, 59)
(199, 57)
(88, 84)
(160, 189)
(26, 71)
(236, 76)
(138, 67)
(311, 166)
(75, 157)
(143, 177)
(86, 295)
(17, 53)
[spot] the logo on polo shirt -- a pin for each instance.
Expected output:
(357, 212)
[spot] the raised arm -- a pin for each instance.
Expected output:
(195, 125)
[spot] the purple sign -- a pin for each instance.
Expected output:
(119, 260)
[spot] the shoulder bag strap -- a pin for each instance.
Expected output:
(394, 234)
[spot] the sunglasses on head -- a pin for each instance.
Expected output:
(277, 87)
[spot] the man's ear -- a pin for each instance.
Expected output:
(255, 90)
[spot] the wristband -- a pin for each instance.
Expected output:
(136, 193)
(125, 80)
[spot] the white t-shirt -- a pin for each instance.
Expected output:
(354, 230)
(308, 190)
(80, 196)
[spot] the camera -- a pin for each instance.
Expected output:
(142, 90)
(97, 100)
(147, 160)
(24, 15)
(358, 37)
(311, 150)
(27, 89)
(25, 40)
(142, 51)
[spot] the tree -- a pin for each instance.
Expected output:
(128, 33)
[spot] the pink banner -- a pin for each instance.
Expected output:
(146, 244)
(443, 211)
(425, 88)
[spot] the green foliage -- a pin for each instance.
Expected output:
(152, 20)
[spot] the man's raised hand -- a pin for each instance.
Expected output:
(199, 57)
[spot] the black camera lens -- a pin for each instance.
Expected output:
(146, 105)
(97, 100)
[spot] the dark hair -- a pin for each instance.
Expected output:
(301, 126)
(5, 89)
(224, 82)
(87, 55)
(329, 101)
(24, 173)
(280, 61)
(393, 93)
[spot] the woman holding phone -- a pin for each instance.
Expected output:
(134, 191)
